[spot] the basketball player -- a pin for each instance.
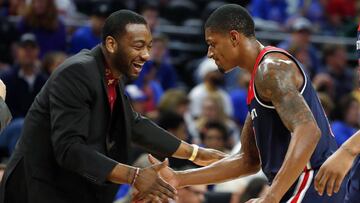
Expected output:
(334, 170)
(286, 131)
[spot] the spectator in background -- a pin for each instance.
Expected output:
(175, 124)
(137, 98)
(299, 43)
(238, 97)
(348, 119)
(212, 83)
(176, 100)
(315, 11)
(272, 10)
(41, 19)
(87, 37)
(159, 67)
(8, 38)
(214, 135)
(336, 66)
(213, 111)
(15, 8)
(52, 60)
(151, 13)
(25, 79)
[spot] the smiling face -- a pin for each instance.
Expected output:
(129, 52)
(222, 49)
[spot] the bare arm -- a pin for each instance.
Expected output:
(278, 81)
(244, 163)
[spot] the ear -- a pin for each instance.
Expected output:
(234, 37)
(110, 44)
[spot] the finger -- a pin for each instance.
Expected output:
(338, 183)
(330, 185)
(318, 178)
(152, 159)
(167, 186)
(161, 165)
(322, 184)
(163, 192)
(161, 196)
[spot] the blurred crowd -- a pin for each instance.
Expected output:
(180, 88)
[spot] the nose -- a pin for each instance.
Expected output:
(145, 55)
(210, 54)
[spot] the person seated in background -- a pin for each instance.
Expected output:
(159, 67)
(51, 61)
(300, 46)
(176, 100)
(137, 98)
(215, 136)
(213, 111)
(43, 21)
(25, 79)
(211, 84)
(89, 36)
(347, 122)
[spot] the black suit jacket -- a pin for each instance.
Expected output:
(71, 141)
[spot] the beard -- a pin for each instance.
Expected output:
(121, 63)
(221, 70)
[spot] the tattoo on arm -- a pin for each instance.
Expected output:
(276, 81)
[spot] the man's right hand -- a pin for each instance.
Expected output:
(151, 187)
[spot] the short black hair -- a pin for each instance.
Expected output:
(170, 120)
(218, 126)
(115, 24)
(231, 17)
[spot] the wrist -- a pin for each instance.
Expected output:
(132, 175)
(273, 195)
(349, 150)
(195, 152)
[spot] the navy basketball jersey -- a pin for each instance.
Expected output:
(272, 137)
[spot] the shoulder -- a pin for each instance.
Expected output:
(275, 74)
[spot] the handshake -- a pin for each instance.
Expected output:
(158, 182)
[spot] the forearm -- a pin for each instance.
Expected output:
(121, 174)
(353, 144)
(228, 168)
(302, 145)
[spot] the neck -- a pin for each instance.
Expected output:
(252, 50)
(117, 74)
(28, 69)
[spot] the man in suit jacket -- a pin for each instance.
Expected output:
(77, 133)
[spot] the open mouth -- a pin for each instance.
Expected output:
(137, 67)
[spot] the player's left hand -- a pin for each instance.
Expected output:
(208, 156)
(333, 172)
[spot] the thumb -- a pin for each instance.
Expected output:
(152, 159)
(161, 165)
